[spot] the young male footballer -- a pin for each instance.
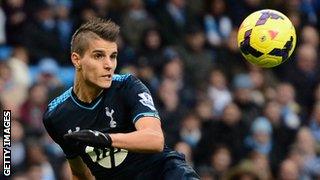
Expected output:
(106, 123)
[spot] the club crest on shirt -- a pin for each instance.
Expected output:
(109, 113)
(146, 100)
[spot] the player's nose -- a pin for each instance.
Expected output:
(107, 63)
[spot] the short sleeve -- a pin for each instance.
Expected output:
(139, 100)
(69, 150)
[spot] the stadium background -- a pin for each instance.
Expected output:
(229, 118)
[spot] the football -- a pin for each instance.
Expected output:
(266, 38)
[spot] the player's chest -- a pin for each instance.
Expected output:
(110, 115)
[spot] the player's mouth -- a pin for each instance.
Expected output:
(107, 77)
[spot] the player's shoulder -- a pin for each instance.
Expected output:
(56, 103)
(120, 78)
(125, 80)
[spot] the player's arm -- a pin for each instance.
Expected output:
(147, 138)
(79, 169)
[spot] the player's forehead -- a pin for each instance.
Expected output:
(101, 45)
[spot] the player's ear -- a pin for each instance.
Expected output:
(75, 58)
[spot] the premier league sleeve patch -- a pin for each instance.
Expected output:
(146, 100)
(140, 100)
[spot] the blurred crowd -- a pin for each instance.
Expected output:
(231, 119)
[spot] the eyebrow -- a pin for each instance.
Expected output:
(102, 51)
(98, 51)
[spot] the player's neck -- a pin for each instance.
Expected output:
(86, 93)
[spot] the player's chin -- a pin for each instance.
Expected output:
(104, 84)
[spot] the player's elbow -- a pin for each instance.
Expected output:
(159, 143)
(155, 145)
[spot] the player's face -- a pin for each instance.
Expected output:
(98, 63)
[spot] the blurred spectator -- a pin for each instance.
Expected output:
(242, 92)
(310, 35)
(288, 170)
(243, 174)
(218, 92)
(39, 166)
(260, 138)
(42, 37)
(205, 173)
(94, 8)
(190, 130)
(309, 9)
(103, 9)
(220, 161)
(174, 18)
(19, 176)
(147, 75)
(33, 108)
(151, 49)
(258, 81)
(54, 153)
(256, 164)
(82, 13)
(126, 54)
(2, 26)
(19, 65)
(12, 93)
(229, 58)
(195, 55)
(262, 80)
(173, 69)
(34, 172)
(304, 154)
(197, 8)
(305, 75)
(261, 165)
(152, 5)
(315, 124)
(5, 75)
(204, 111)
(270, 93)
(170, 110)
(282, 136)
(240, 9)
(135, 22)
(16, 20)
(18, 147)
(288, 106)
(65, 25)
(229, 130)
(295, 18)
(217, 23)
(48, 75)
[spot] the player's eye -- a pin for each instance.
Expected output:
(98, 56)
(113, 56)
